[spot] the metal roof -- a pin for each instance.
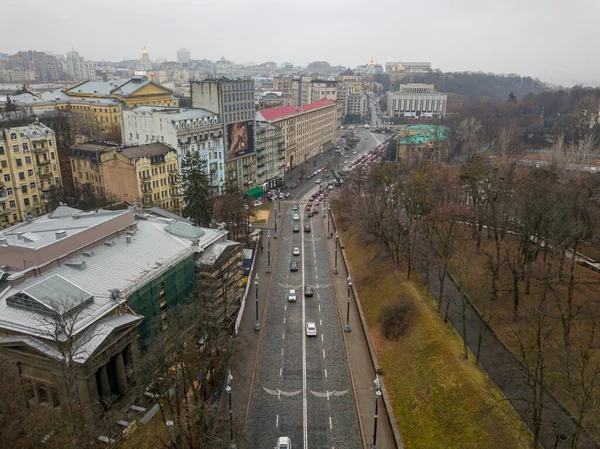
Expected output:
(58, 295)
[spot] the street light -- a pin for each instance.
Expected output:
(276, 219)
(347, 326)
(335, 268)
(328, 214)
(228, 390)
(268, 251)
(377, 395)
(257, 325)
(560, 437)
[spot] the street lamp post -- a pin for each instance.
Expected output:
(228, 390)
(335, 268)
(377, 395)
(560, 437)
(276, 219)
(269, 251)
(328, 215)
(257, 325)
(347, 326)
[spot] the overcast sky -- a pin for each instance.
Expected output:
(555, 40)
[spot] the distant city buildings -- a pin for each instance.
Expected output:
(233, 99)
(29, 171)
(44, 67)
(183, 55)
(183, 129)
(223, 67)
(418, 101)
(308, 89)
(270, 155)
(145, 63)
(407, 67)
(80, 69)
(308, 130)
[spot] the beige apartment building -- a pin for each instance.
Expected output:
(308, 130)
(147, 174)
(29, 171)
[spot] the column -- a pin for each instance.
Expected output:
(104, 382)
(121, 373)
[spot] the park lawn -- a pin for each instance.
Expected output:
(259, 222)
(264, 206)
(439, 399)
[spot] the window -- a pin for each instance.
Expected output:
(13, 135)
(28, 159)
(30, 173)
(4, 164)
(9, 191)
(49, 143)
(24, 189)
(35, 198)
(6, 178)
(1, 150)
(26, 202)
(19, 162)
(52, 155)
(32, 185)
(22, 176)
(15, 148)
(25, 146)
(12, 204)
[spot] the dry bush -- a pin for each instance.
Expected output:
(395, 317)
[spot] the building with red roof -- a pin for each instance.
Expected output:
(308, 130)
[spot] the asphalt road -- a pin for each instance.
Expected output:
(303, 388)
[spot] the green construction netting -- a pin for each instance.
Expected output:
(178, 284)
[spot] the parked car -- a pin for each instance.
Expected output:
(294, 186)
(294, 266)
(292, 295)
(311, 329)
(287, 194)
(308, 291)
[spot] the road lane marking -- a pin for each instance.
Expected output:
(319, 307)
(277, 421)
(280, 371)
(325, 372)
(330, 423)
(320, 323)
(318, 295)
(281, 352)
(285, 307)
(316, 276)
(283, 336)
(304, 399)
(283, 320)
(321, 337)
(323, 353)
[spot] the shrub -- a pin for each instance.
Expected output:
(395, 317)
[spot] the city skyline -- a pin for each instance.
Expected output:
(464, 36)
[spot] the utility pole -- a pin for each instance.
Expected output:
(377, 395)
(257, 325)
(228, 390)
(347, 326)
(268, 251)
(335, 268)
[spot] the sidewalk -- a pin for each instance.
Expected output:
(359, 357)
(244, 363)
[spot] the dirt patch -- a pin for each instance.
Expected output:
(261, 215)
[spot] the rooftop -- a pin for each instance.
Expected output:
(120, 267)
(148, 150)
(30, 131)
(177, 114)
(422, 134)
(281, 112)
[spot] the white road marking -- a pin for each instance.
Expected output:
(319, 307)
(321, 337)
(326, 373)
(323, 353)
(327, 394)
(280, 371)
(316, 276)
(281, 352)
(283, 336)
(318, 295)
(304, 399)
(285, 307)
(277, 421)
(320, 323)
(316, 268)
(278, 394)
(283, 320)
(330, 423)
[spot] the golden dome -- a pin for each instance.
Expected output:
(144, 51)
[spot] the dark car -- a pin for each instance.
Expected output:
(295, 207)
(307, 228)
(316, 211)
(294, 186)
(310, 214)
(296, 228)
(294, 266)
(308, 291)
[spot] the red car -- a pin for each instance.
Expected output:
(307, 209)
(307, 228)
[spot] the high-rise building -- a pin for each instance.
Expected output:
(416, 100)
(233, 99)
(30, 171)
(44, 66)
(270, 155)
(79, 69)
(307, 89)
(183, 55)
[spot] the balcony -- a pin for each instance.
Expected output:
(3, 195)
(43, 162)
(281, 157)
(173, 180)
(39, 149)
(45, 174)
(4, 212)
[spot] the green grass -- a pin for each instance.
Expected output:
(259, 222)
(440, 400)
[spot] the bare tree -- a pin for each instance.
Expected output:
(468, 132)
(506, 138)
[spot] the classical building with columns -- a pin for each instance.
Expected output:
(416, 101)
(94, 288)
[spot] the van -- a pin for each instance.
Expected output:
(283, 443)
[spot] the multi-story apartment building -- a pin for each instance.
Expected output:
(308, 130)
(183, 55)
(407, 67)
(112, 276)
(282, 82)
(351, 82)
(79, 68)
(29, 170)
(44, 66)
(184, 129)
(356, 107)
(148, 174)
(306, 90)
(270, 155)
(233, 99)
(416, 100)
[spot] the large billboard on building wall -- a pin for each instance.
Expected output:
(240, 139)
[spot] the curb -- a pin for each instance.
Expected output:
(341, 320)
(386, 399)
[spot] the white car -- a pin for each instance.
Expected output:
(354, 152)
(283, 443)
(296, 217)
(318, 181)
(292, 295)
(296, 251)
(311, 329)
